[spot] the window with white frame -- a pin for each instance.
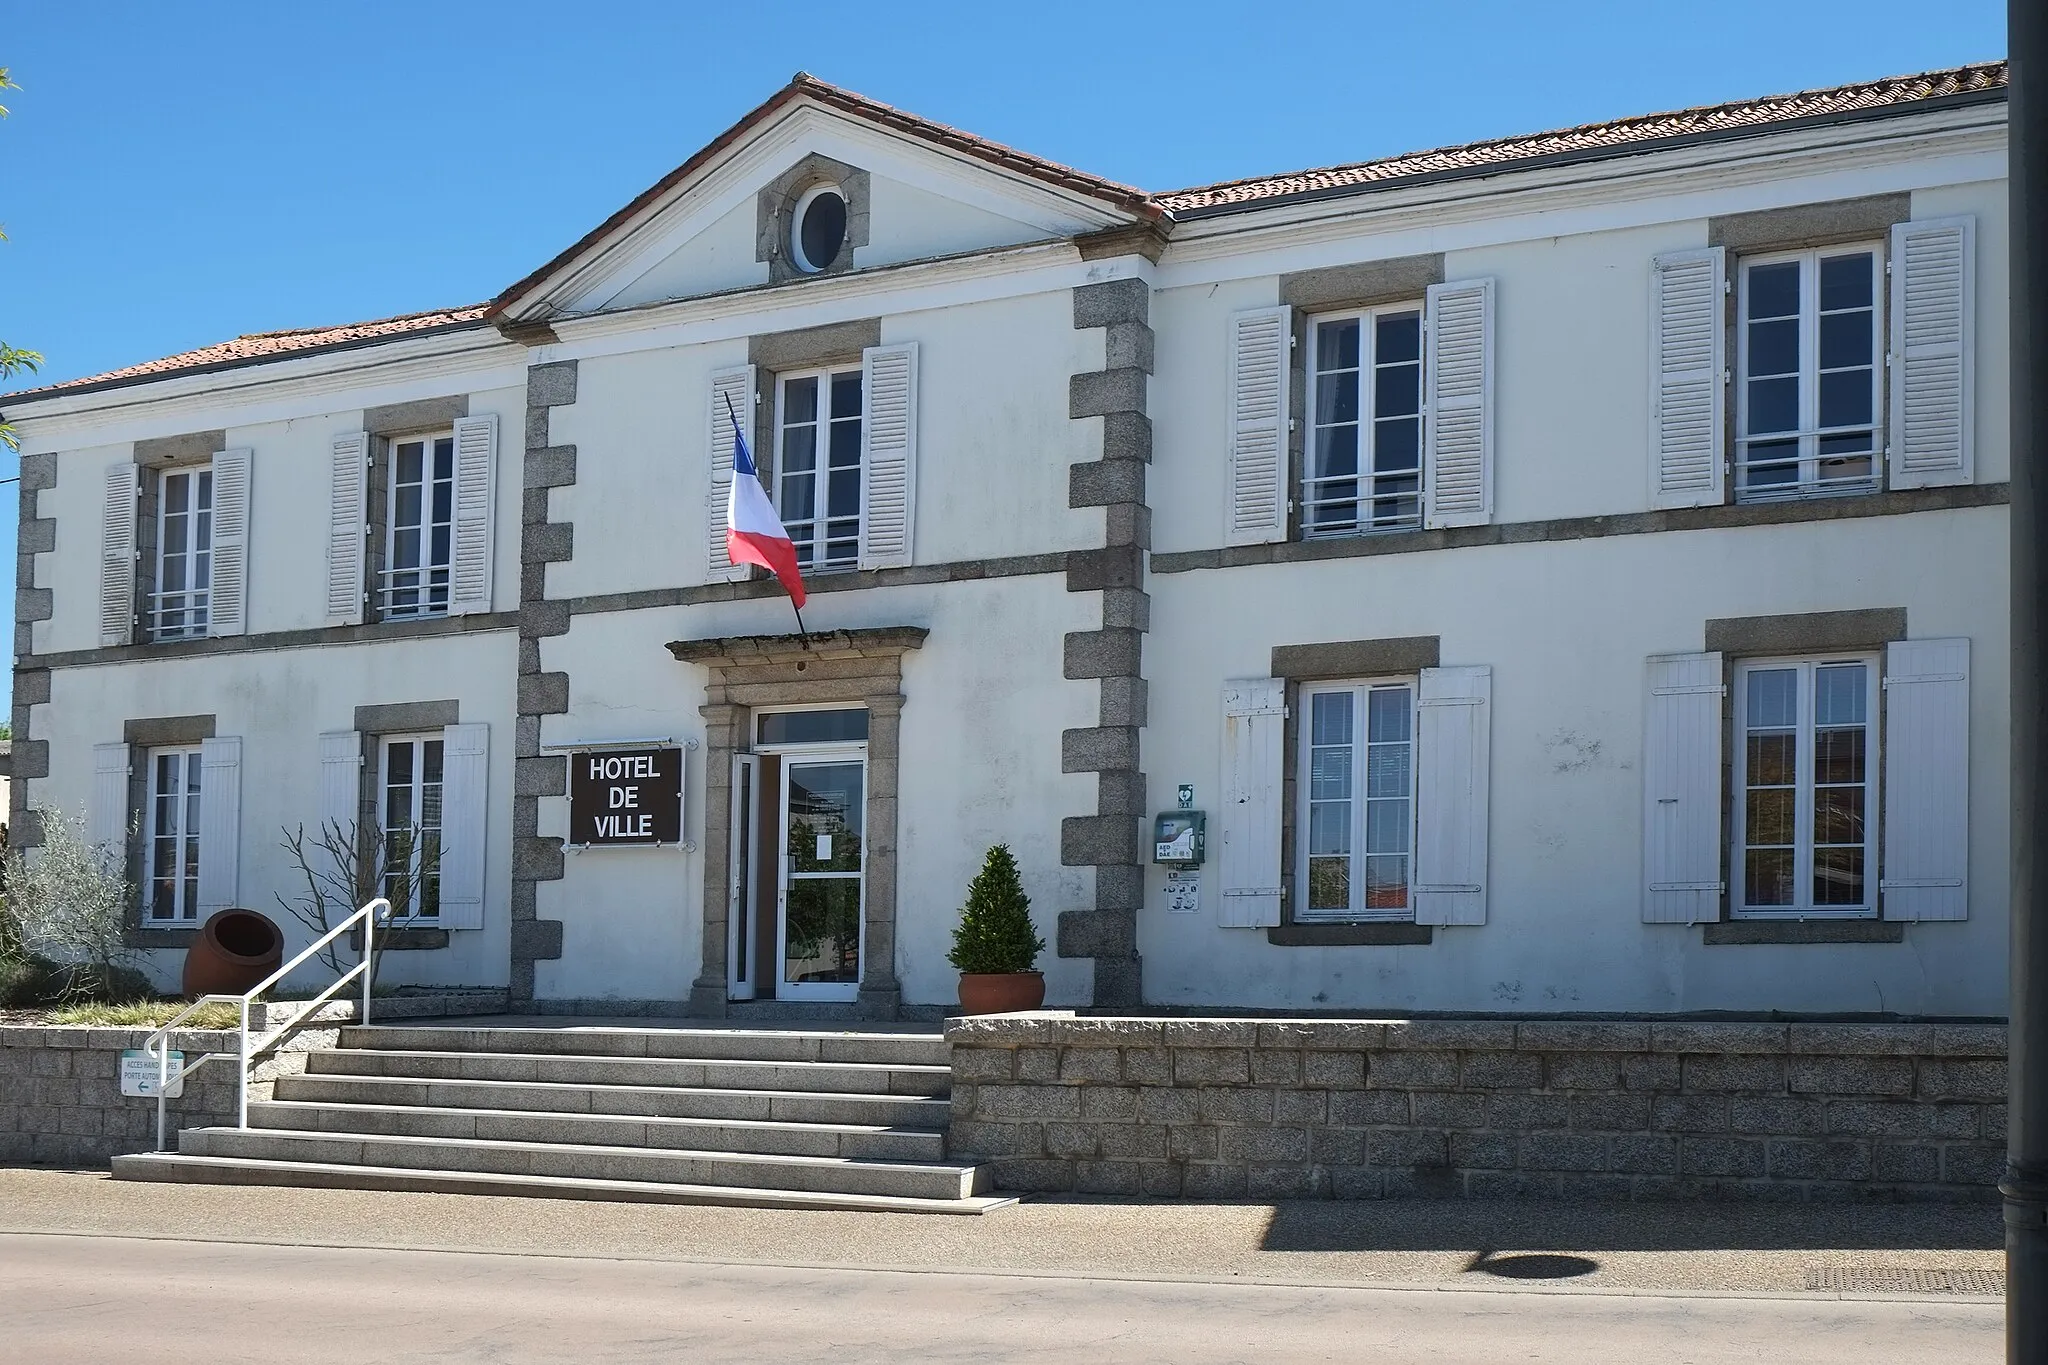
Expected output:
(1810, 388)
(180, 603)
(171, 837)
(1805, 786)
(1364, 463)
(419, 529)
(1356, 807)
(410, 784)
(818, 417)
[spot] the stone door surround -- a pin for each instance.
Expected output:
(857, 667)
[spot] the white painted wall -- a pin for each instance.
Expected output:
(718, 256)
(906, 223)
(279, 702)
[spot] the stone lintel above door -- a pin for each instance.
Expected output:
(854, 667)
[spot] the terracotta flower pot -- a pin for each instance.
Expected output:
(1001, 992)
(235, 950)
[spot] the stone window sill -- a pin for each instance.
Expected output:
(1348, 935)
(401, 940)
(161, 936)
(1743, 931)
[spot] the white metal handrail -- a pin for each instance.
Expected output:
(158, 1048)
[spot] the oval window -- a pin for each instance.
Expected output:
(819, 228)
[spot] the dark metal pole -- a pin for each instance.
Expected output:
(2026, 1177)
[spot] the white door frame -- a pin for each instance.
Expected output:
(792, 755)
(742, 896)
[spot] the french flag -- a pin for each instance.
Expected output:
(753, 533)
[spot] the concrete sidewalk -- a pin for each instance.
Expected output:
(1753, 1249)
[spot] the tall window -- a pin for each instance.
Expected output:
(171, 836)
(184, 554)
(1365, 444)
(1357, 802)
(1810, 389)
(410, 780)
(1805, 791)
(420, 537)
(817, 466)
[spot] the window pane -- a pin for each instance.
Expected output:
(444, 458)
(1336, 452)
(1838, 815)
(1397, 390)
(1386, 883)
(1838, 876)
(1771, 760)
(1774, 290)
(800, 401)
(846, 394)
(843, 493)
(796, 498)
(1845, 340)
(1770, 815)
(1845, 399)
(1329, 773)
(1774, 347)
(1773, 698)
(1837, 756)
(799, 449)
(1398, 338)
(407, 506)
(1329, 827)
(1397, 445)
(1337, 398)
(813, 727)
(1386, 770)
(1845, 281)
(1773, 406)
(1767, 878)
(409, 461)
(1840, 694)
(1387, 711)
(1386, 826)
(1337, 346)
(1330, 718)
(845, 450)
(177, 493)
(1329, 883)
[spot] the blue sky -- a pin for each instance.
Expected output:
(175, 174)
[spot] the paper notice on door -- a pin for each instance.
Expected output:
(824, 848)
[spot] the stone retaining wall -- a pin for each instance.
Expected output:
(1447, 1108)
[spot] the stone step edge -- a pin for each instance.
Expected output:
(609, 1087)
(594, 1149)
(179, 1167)
(920, 1068)
(610, 1031)
(679, 1120)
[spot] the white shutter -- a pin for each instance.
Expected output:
(228, 610)
(1248, 857)
(1453, 739)
(465, 812)
(117, 557)
(341, 793)
(220, 822)
(476, 475)
(348, 504)
(107, 818)
(732, 395)
(1682, 789)
(1926, 831)
(888, 454)
(1256, 389)
(1687, 397)
(1933, 334)
(1458, 440)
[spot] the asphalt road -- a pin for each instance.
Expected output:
(95, 1298)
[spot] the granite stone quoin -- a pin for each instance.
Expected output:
(1448, 1108)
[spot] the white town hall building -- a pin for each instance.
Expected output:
(1566, 574)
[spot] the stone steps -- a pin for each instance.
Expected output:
(774, 1118)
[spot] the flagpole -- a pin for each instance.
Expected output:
(738, 437)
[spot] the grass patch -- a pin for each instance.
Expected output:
(144, 1014)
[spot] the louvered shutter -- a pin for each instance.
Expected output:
(347, 518)
(732, 395)
(1458, 436)
(1932, 352)
(1256, 390)
(1453, 740)
(1687, 401)
(107, 817)
(220, 820)
(341, 792)
(476, 476)
(228, 609)
(1682, 789)
(117, 557)
(465, 819)
(888, 454)
(1926, 829)
(1249, 854)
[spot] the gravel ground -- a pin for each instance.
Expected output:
(1746, 1248)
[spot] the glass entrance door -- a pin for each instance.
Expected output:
(824, 820)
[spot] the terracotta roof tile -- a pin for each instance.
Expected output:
(1620, 135)
(257, 346)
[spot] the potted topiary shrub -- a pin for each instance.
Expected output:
(994, 945)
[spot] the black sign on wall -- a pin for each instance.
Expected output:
(626, 796)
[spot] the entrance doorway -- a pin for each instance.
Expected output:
(797, 860)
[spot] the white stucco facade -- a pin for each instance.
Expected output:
(1045, 658)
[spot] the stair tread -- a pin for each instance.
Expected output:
(157, 1164)
(607, 1030)
(922, 1068)
(584, 1116)
(598, 1149)
(862, 1096)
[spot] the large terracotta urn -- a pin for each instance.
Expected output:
(1001, 992)
(235, 950)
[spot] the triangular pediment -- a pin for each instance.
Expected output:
(914, 191)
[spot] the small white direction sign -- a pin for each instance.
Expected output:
(139, 1073)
